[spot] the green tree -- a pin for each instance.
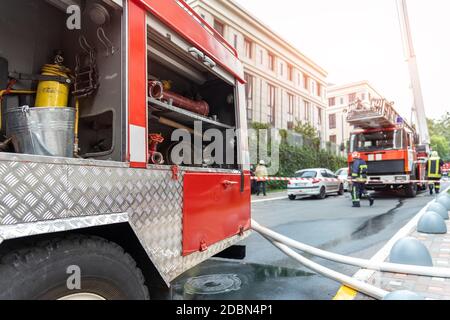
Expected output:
(440, 135)
(442, 146)
(309, 133)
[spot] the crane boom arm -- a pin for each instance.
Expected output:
(419, 107)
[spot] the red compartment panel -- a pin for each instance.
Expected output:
(214, 209)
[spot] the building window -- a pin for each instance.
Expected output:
(235, 41)
(363, 96)
(305, 81)
(319, 116)
(352, 97)
(248, 45)
(220, 27)
(319, 89)
(332, 120)
(333, 139)
(249, 95)
(332, 102)
(261, 57)
(271, 104)
(291, 104)
(290, 73)
(299, 79)
(342, 101)
(281, 68)
(306, 110)
(271, 63)
(313, 87)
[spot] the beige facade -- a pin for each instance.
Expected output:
(339, 98)
(284, 86)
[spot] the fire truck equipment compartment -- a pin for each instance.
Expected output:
(214, 208)
(26, 53)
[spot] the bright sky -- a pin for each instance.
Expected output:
(360, 40)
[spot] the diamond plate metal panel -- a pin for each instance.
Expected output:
(31, 192)
(36, 190)
(59, 225)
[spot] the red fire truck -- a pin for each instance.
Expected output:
(88, 187)
(388, 145)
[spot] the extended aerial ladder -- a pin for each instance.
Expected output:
(419, 107)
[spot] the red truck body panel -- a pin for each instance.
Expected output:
(214, 209)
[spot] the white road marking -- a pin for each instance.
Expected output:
(269, 199)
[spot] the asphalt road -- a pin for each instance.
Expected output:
(331, 224)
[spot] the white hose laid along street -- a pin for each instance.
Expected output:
(362, 263)
(350, 282)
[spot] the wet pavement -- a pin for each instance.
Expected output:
(330, 224)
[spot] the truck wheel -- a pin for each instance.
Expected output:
(292, 197)
(411, 190)
(46, 270)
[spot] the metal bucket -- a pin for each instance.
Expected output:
(42, 131)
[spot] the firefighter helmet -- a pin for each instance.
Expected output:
(356, 155)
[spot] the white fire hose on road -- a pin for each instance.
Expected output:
(357, 262)
(350, 282)
(283, 243)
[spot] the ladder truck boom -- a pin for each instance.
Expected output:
(419, 108)
(374, 114)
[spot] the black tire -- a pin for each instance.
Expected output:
(40, 272)
(292, 197)
(323, 193)
(411, 190)
(341, 190)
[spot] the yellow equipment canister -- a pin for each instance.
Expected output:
(53, 93)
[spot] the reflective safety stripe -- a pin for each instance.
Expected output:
(433, 168)
(355, 194)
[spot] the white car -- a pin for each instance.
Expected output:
(343, 176)
(314, 185)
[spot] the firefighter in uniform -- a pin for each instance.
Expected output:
(434, 172)
(359, 179)
(261, 172)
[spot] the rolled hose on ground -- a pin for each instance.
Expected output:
(350, 282)
(357, 262)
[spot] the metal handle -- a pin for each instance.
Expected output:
(228, 184)
(209, 62)
(196, 53)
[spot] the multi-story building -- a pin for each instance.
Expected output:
(339, 97)
(283, 85)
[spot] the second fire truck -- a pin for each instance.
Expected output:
(389, 145)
